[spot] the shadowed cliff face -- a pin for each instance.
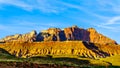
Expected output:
(73, 33)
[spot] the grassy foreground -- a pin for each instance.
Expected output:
(68, 61)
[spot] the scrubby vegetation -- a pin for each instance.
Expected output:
(55, 61)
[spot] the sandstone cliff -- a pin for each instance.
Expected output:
(52, 34)
(28, 37)
(73, 33)
(96, 37)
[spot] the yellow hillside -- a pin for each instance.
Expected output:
(77, 48)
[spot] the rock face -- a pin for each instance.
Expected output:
(28, 37)
(96, 37)
(52, 34)
(73, 33)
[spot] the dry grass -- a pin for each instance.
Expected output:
(114, 60)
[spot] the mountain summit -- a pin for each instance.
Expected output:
(73, 33)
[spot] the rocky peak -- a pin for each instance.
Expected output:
(75, 33)
(54, 30)
(33, 32)
(96, 37)
(91, 30)
(51, 34)
(28, 37)
(75, 26)
(56, 34)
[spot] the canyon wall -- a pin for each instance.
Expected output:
(73, 33)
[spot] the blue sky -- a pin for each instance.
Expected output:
(22, 16)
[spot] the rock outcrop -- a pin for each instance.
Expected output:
(96, 37)
(52, 34)
(28, 37)
(73, 33)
